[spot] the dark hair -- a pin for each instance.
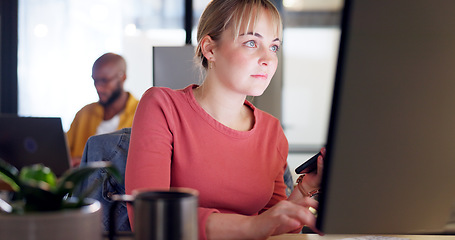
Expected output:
(110, 58)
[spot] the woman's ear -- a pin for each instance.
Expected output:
(207, 47)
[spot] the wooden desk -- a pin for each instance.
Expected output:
(341, 236)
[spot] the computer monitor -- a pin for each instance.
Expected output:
(174, 67)
(390, 163)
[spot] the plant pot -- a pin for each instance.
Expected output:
(68, 224)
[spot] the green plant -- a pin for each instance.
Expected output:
(37, 188)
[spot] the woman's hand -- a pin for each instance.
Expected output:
(285, 217)
(312, 181)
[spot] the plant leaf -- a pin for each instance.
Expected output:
(38, 175)
(9, 174)
(38, 199)
(89, 190)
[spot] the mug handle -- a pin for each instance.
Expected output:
(116, 199)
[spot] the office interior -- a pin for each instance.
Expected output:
(48, 48)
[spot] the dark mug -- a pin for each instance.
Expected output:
(161, 214)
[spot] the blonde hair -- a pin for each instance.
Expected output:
(221, 14)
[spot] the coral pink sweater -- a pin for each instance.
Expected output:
(175, 143)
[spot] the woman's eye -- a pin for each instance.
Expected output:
(274, 48)
(250, 44)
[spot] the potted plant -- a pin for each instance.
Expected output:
(42, 206)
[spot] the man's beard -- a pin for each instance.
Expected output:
(114, 96)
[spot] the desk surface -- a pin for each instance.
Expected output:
(357, 237)
(342, 236)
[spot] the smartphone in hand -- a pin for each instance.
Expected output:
(309, 166)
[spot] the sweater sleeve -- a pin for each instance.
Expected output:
(203, 214)
(151, 150)
(83, 126)
(279, 191)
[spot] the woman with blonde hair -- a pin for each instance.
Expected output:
(210, 138)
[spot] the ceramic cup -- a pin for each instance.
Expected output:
(163, 214)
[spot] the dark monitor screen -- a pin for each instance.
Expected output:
(174, 67)
(390, 163)
(30, 140)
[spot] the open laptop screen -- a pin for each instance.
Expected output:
(29, 140)
(390, 164)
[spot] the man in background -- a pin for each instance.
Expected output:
(114, 110)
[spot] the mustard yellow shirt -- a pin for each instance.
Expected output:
(89, 118)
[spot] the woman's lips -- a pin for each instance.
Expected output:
(260, 76)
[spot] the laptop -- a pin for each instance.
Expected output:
(29, 140)
(390, 163)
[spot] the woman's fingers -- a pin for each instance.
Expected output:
(306, 202)
(306, 216)
(291, 216)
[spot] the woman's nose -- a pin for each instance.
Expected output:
(267, 56)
